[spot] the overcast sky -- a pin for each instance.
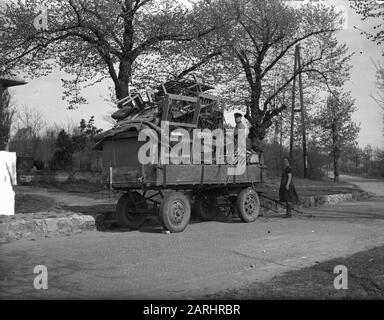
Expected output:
(45, 94)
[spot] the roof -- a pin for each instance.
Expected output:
(7, 81)
(133, 126)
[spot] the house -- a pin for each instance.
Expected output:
(5, 122)
(7, 82)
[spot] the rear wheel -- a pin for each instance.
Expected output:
(248, 205)
(129, 210)
(205, 207)
(175, 212)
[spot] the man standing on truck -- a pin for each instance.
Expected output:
(239, 125)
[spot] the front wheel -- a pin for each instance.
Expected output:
(175, 212)
(248, 205)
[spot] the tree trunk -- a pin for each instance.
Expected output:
(121, 89)
(336, 156)
(122, 83)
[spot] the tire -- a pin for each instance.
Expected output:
(248, 205)
(205, 207)
(125, 210)
(175, 212)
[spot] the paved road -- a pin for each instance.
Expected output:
(375, 186)
(206, 258)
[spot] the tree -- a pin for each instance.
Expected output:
(100, 39)
(367, 156)
(86, 132)
(371, 10)
(6, 116)
(89, 129)
(336, 130)
(379, 95)
(259, 38)
(29, 124)
(62, 157)
(351, 158)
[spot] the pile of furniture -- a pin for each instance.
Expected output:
(183, 103)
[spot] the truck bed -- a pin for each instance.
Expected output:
(180, 176)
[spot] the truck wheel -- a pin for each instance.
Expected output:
(248, 205)
(175, 212)
(205, 207)
(126, 210)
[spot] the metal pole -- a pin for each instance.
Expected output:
(293, 107)
(303, 118)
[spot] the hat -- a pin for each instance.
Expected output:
(238, 115)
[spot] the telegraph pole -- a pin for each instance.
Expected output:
(297, 68)
(303, 118)
(293, 106)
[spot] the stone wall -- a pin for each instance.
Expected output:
(43, 225)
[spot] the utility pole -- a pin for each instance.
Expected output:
(293, 106)
(297, 68)
(303, 118)
(281, 130)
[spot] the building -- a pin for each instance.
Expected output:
(5, 122)
(7, 82)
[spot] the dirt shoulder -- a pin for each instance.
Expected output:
(365, 281)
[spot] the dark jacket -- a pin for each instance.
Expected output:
(287, 195)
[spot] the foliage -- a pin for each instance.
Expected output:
(371, 10)
(89, 129)
(29, 124)
(92, 40)
(62, 157)
(335, 127)
(67, 145)
(86, 132)
(379, 95)
(258, 39)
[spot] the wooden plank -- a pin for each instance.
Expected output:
(128, 176)
(181, 124)
(166, 107)
(180, 175)
(164, 90)
(149, 97)
(182, 98)
(212, 174)
(196, 116)
(125, 99)
(208, 96)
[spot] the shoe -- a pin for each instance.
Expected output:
(287, 216)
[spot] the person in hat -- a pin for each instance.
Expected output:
(239, 125)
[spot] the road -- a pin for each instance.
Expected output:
(206, 258)
(375, 186)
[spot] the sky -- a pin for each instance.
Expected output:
(45, 94)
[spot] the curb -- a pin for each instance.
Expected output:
(43, 225)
